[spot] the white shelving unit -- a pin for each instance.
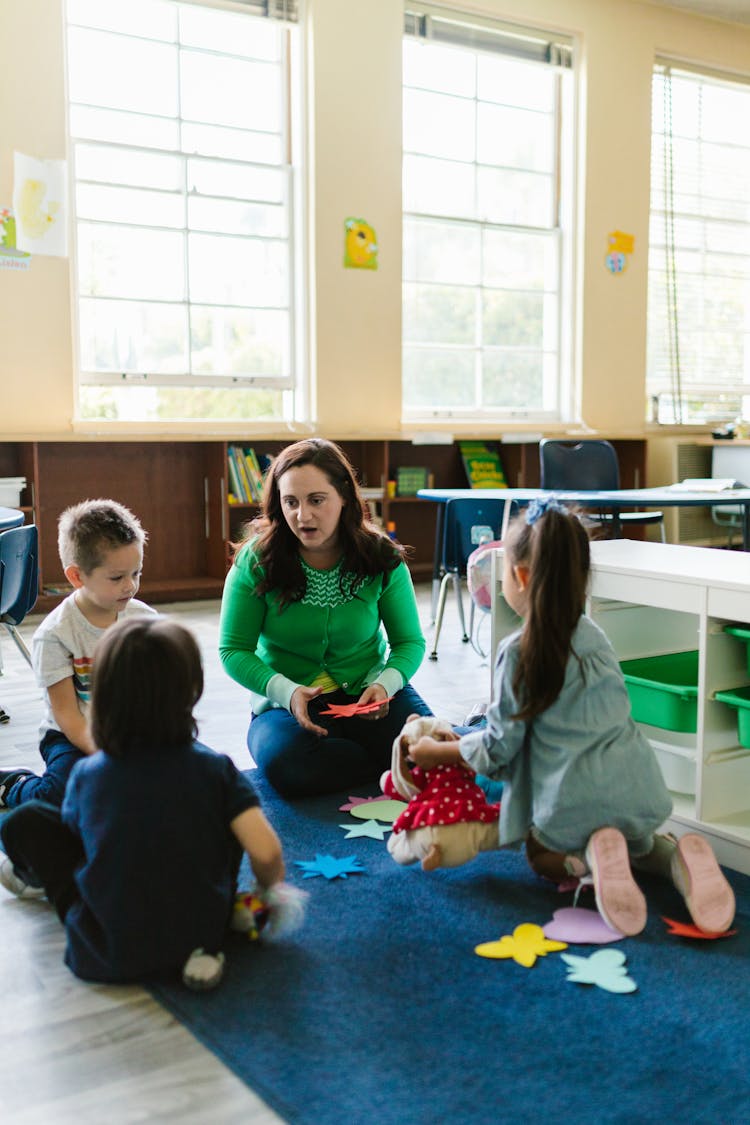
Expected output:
(652, 599)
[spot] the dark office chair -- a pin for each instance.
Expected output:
(581, 465)
(467, 522)
(19, 575)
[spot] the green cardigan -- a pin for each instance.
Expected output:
(374, 636)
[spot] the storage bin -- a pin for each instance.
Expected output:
(739, 698)
(663, 690)
(743, 632)
(10, 491)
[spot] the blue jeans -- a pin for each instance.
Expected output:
(355, 752)
(59, 756)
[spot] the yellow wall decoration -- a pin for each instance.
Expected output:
(360, 245)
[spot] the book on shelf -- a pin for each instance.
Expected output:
(482, 464)
(246, 472)
(235, 484)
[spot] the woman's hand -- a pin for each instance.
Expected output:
(370, 695)
(429, 752)
(298, 706)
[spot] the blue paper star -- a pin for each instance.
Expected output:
(369, 828)
(330, 867)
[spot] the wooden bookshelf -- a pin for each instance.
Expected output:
(179, 490)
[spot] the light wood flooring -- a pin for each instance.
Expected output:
(87, 1054)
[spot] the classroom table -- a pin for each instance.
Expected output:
(668, 496)
(10, 517)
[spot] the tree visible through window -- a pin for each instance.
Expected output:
(699, 255)
(486, 256)
(179, 118)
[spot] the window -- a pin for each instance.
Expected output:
(699, 259)
(487, 219)
(179, 117)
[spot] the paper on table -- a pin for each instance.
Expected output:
(707, 484)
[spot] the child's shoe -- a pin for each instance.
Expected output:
(8, 779)
(701, 882)
(17, 886)
(203, 971)
(618, 898)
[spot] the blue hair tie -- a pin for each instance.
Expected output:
(539, 507)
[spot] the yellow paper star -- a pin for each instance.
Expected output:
(527, 943)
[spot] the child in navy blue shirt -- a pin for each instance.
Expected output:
(141, 862)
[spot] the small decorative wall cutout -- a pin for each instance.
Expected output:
(621, 245)
(39, 204)
(360, 245)
(11, 258)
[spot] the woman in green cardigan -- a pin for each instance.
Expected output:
(319, 609)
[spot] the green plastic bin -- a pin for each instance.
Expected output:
(663, 690)
(739, 698)
(743, 632)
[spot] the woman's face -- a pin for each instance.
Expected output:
(311, 507)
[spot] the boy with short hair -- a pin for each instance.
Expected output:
(101, 549)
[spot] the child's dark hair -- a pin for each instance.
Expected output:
(555, 548)
(87, 530)
(365, 549)
(146, 681)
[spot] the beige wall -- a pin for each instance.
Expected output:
(354, 161)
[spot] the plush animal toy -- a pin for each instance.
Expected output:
(448, 819)
(272, 911)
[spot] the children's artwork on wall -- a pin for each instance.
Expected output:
(11, 258)
(360, 245)
(620, 247)
(39, 205)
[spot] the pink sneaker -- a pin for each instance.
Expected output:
(618, 898)
(700, 880)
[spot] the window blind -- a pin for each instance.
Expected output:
(461, 29)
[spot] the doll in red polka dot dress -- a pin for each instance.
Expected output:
(448, 819)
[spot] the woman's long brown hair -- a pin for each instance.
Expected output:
(365, 549)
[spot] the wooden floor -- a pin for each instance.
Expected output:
(75, 1052)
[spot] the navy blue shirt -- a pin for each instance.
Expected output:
(160, 860)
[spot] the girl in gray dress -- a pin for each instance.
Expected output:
(582, 787)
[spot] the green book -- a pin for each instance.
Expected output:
(482, 465)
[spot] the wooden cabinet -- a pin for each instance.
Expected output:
(654, 600)
(178, 488)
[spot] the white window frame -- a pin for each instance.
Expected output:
(453, 28)
(695, 226)
(291, 381)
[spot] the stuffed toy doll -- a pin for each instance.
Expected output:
(448, 819)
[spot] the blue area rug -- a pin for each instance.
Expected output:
(379, 1010)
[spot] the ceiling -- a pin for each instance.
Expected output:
(737, 11)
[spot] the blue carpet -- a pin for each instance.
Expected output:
(379, 1011)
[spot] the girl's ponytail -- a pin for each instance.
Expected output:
(552, 541)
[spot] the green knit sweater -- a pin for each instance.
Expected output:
(371, 636)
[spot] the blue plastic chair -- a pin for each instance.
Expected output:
(572, 466)
(19, 580)
(467, 522)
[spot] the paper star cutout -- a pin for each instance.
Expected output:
(368, 828)
(687, 929)
(349, 710)
(527, 943)
(329, 866)
(605, 968)
(354, 801)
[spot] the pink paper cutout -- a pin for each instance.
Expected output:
(577, 926)
(349, 710)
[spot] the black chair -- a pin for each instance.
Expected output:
(19, 577)
(573, 466)
(467, 522)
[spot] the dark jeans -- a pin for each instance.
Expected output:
(43, 851)
(355, 752)
(59, 756)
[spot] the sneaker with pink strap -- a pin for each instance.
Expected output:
(618, 897)
(702, 884)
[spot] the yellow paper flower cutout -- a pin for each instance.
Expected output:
(527, 943)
